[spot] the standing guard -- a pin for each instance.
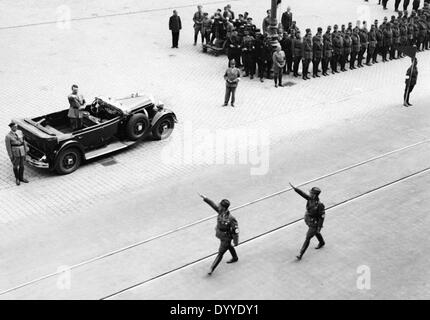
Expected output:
(16, 149)
(317, 52)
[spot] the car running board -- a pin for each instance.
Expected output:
(112, 147)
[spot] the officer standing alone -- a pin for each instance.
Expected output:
(314, 218)
(16, 150)
(411, 81)
(227, 230)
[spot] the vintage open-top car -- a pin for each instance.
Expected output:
(108, 125)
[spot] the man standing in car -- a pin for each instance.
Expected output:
(77, 104)
(227, 230)
(314, 218)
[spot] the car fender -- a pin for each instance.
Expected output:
(69, 144)
(162, 114)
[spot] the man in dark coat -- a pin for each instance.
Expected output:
(314, 218)
(307, 54)
(175, 25)
(227, 230)
(297, 47)
(77, 105)
(328, 51)
(287, 19)
(410, 82)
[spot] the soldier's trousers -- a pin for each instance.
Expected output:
(249, 63)
(197, 30)
(18, 167)
(385, 50)
(397, 4)
(230, 91)
(262, 67)
(334, 61)
(342, 61)
(223, 248)
(361, 56)
(315, 64)
(296, 65)
(352, 60)
(312, 232)
(405, 4)
(370, 54)
(375, 54)
(393, 50)
(408, 90)
(289, 64)
(305, 67)
(325, 62)
(207, 36)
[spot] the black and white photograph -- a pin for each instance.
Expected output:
(215, 150)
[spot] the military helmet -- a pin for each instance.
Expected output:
(225, 203)
(316, 190)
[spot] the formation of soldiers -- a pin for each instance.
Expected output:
(336, 49)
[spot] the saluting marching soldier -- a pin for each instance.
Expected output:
(16, 149)
(307, 53)
(227, 230)
(317, 52)
(314, 218)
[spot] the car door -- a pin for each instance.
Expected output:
(90, 138)
(110, 130)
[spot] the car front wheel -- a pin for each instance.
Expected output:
(137, 127)
(163, 128)
(68, 161)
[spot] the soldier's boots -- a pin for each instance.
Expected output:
(320, 245)
(16, 172)
(233, 260)
(299, 257)
(21, 176)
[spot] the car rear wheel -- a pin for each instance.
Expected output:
(137, 126)
(163, 128)
(68, 161)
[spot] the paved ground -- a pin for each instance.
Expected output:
(314, 128)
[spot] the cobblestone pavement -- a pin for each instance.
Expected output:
(124, 47)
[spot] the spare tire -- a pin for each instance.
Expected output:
(137, 126)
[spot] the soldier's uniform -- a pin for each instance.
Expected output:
(317, 53)
(337, 41)
(363, 46)
(76, 102)
(396, 41)
(260, 56)
(314, 218)
(347, 43)
(328, 52)
(16, 150)
(355, 48)
(388, 41)
(286, 47)
(372, 45)
(307, 54)
(297, 53)
(248, 55)
(380, 43)
(227, 230)
(403, 37)
(234, 49)
(410, 82)
(422, 35)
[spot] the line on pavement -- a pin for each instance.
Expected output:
(387, 185)
(162, 235)
(114, 14)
